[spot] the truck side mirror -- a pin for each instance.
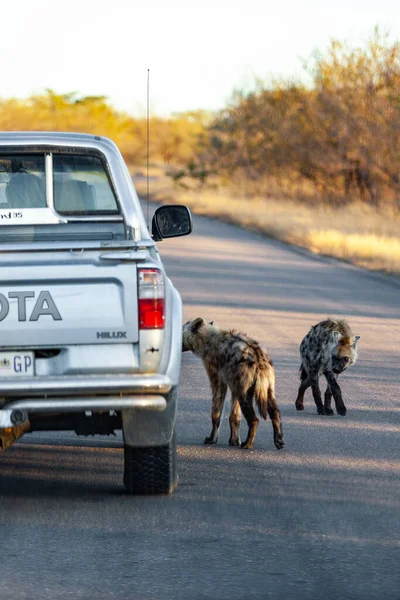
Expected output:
(171, 220)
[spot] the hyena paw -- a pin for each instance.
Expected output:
(279, 443)
(246, 445)
(299, 406)
(342, 410)
(234, 442)
(320, 410)
(210, 440)
(328, 411)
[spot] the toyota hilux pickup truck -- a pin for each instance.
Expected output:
(90, 324)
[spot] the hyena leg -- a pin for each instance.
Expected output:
(328, 398)
(275, 416)
(246, 404)
(234, 422)
(304, 385)
(337, 393)
(314, 376)
(218, 398)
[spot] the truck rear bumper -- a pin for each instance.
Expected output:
(78, 385)
(147, 402)
(80, 393)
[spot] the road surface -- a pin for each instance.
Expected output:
(319, 519)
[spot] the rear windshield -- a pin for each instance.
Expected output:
(80, 184)
(22, 181)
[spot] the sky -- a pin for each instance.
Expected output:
(197, 52)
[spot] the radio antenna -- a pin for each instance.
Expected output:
(148, 144)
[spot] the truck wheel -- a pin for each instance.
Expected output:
(151, 470)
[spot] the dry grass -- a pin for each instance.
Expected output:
(356, 233)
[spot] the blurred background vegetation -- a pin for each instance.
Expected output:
(288, 158)
(171, 139)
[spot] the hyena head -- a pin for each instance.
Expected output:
(345, 352)
(194, 333)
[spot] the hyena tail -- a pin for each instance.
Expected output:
(303, 372)
(263, 392)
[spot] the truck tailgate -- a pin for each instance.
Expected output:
(71, 302)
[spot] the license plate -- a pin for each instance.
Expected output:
(17, 364)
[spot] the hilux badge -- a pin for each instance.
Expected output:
(111, 335)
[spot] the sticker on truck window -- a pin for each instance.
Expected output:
(30, 216)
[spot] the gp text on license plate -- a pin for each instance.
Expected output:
(17, 364)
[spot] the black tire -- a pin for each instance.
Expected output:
(151, 471)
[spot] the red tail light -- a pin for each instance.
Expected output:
(151, 299)
(151, 313)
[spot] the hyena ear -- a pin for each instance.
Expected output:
(197, 323)
(356, 338)
(336, 336)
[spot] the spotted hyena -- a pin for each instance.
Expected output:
(328, 348)
(234, 360)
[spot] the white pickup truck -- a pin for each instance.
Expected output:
(90, 324)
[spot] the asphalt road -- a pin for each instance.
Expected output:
(317, 520)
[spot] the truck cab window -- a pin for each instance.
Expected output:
(81, 186)
(22, 182)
